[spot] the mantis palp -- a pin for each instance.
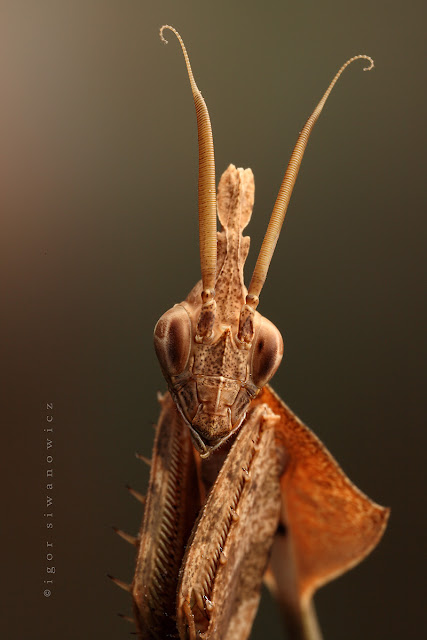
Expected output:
(240, 490)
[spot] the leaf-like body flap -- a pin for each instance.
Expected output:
(328, 524)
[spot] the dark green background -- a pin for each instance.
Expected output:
(98, 184)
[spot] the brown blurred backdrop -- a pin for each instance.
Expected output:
(98, 196)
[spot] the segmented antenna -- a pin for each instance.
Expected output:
(281, 205)
(207, 186)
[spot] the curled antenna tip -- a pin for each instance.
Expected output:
(371, 65)
(162, 37)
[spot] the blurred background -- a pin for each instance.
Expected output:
(98, 196)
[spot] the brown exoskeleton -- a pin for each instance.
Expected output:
(240, 490)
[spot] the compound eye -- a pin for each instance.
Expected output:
(267, 352)
(172, 340)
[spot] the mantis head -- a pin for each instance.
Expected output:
(215, 350)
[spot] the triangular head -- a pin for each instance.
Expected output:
(214, 374)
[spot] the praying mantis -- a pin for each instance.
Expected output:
(240, 490)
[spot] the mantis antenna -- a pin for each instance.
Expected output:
(207, 186)
(285, 191)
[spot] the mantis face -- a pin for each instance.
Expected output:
(216, 357)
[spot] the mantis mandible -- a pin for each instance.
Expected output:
(240, 490)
